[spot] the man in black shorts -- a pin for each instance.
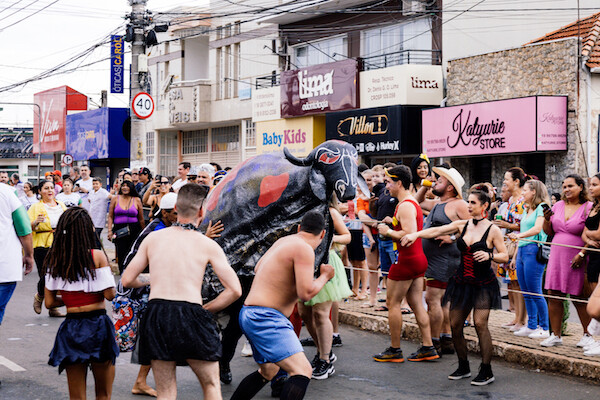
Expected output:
(177, 329)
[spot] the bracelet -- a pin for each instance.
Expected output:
(581, 254)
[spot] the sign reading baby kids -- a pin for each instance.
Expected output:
(319, 89)
(537, 123)
(299, 135)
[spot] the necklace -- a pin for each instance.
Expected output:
(189, 226)
(476, 221)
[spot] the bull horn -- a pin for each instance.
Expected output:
(303, 162)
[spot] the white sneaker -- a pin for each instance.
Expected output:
(591, 346)
(539, 333)
(586, 340)
(552, 340)
(524, 331)
(247, 350)
(515, 327)
(595, 351)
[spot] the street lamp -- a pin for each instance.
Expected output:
(39, 115)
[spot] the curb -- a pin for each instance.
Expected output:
(524, 356)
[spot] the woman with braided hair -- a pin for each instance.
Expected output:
(84, 279)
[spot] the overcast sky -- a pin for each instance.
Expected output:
(52, 36)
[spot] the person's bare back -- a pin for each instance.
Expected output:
(275, 283)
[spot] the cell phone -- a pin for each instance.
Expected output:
(545, 207)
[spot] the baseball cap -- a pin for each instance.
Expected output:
(144, 171)
(57, 173)
(193, 171)
(167, 203)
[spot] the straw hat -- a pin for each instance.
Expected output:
(453, 176)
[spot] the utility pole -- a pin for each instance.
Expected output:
(138, 22)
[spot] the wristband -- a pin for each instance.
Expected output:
(581, 254)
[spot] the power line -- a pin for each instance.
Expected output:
(29, 16)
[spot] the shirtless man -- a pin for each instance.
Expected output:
(283, 274)
(177, 329)
(443, 257)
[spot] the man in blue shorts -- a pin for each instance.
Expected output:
(283, 275)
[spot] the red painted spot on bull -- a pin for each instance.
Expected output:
(271, 188)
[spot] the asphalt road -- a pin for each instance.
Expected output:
(27, 338)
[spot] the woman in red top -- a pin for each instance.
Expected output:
(405, 278)
(84, 279)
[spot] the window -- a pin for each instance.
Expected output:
(193, 142)
(220, 73)
(250, 133)
(321, 52)
(415, 35)
(237, 28)
(226, 138)
(168, 153)
(150, 147)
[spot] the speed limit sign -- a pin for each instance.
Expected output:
(142, 105)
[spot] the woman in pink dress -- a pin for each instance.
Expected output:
(566, 222)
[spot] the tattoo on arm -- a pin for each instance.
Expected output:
(144, 278)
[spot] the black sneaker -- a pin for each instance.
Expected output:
(447, 345)
(332, 357)
(484, 377)
(463, 371)
(390, 355)
(425, 353)
(307, 342)
(322, 369)
(225, 374)
(438, 346)
(337, 341)
(313, 362)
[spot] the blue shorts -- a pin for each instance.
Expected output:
(270, 333)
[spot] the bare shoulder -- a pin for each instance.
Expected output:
(406, 207)
(100, 259)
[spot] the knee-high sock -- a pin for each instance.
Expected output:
(249, 386)
(295, 387)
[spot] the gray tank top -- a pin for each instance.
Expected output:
(443, 261)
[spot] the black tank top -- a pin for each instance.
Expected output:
(471, 271)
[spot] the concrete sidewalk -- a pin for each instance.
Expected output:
(566, 359)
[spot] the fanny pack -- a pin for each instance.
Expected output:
(121, 233)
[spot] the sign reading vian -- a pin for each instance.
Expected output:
(373, 130)
(409, 84)
(319, 89)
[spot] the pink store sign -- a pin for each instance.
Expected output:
(537, 123)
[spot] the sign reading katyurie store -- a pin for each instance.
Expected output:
(319, 89)
(537, 123)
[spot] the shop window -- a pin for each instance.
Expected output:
(321, 52)
(225, 138)
(535, 164)
(481, 170)
(194, 142)
(150, 147)
(250, 133)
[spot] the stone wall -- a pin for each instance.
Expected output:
(543, 69)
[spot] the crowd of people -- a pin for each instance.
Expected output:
(414, 236)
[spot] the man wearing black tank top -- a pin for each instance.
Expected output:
(443, 257)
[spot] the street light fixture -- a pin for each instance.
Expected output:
(39, 115)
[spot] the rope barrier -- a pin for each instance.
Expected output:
(557, 244)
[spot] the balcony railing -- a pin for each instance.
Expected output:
(428, 57)
(425, 57)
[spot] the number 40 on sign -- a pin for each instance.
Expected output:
(142, 105)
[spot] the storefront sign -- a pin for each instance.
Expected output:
(16, 144)
(380, 130)
(54, 104)
(266, 104)
(299, 135)
(319, 89)
(117, 55)
(527, 124)
(97, 134)
(402, 84)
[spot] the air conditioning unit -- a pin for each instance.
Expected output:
(412, 7)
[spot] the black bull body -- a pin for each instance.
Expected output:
(265, 198)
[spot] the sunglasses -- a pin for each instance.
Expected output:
(192, 177)
(164, 183)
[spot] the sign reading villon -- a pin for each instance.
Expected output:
(537, 123)
(319, 89)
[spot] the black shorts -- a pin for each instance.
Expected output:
(593, 268)
(178, 331)
(356, 251)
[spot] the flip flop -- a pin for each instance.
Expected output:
(380, 308)
(366, 305)
(406, 311)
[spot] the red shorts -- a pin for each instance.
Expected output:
(408, 268)
(430, 282)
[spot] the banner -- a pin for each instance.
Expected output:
(117, 55)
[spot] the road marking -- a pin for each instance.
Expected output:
(11, 365)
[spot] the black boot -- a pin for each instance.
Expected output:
(438, 346)
(447, 345)
(463, 371)
(485, 375)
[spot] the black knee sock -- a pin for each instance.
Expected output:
(249, 386)
(295, 387)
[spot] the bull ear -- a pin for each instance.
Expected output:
(362, 184)
(302, 162)
(318, 184)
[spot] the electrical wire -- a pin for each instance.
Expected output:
(29, 16)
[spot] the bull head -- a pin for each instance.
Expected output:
(335, 164)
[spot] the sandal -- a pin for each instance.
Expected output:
(380, 308)
(366, 305)
(406, 311)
